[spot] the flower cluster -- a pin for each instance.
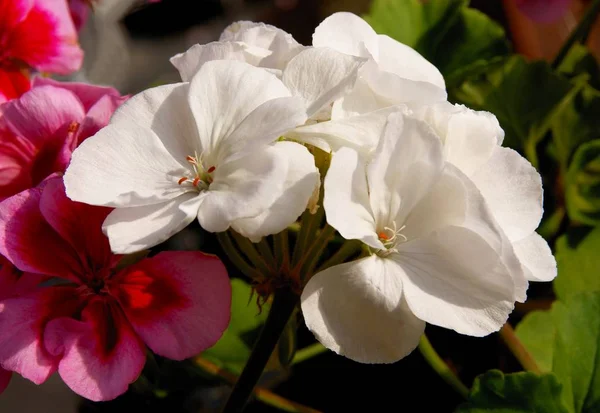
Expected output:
(445, 215)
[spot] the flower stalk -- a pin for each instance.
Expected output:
(440, 367)
(518, 349)
(283, 306)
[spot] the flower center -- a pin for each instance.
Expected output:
(390, 237)
(201, 177)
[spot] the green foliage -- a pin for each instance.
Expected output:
(581, 61)
(494, 392)
(566, 342)
(233, 349)
(524, 96)
(583, 184)
(578, 259)
(456, 39)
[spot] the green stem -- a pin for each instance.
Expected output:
(348, 249)
(309, 226)
(235, 257)
(283, 306)
(264, 395)
(580, 34)
(265, 251)
(281, 247)
(308, 353)
(311, 258)
(252, 254)
(441, 368)
(518, 349)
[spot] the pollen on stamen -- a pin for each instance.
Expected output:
(211, 169)
(73, 127)
(383, 236)
(182, 180)
(195, 182)
(191, 160)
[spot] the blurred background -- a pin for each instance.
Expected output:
(127, 45)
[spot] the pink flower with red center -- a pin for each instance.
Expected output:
(93, 320)
(38, 34)
(40, 130)
(13, 284)
(543, 11)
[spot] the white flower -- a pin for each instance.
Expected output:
(395, 73)
(203, 149)
(318, 75)
(510, 185)
(437, 251)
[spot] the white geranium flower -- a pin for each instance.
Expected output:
(510, 185)
(437, 252)
(203, 149)
(472, 142)
(395, 73)
(318, 75)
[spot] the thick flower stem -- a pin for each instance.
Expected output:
(308, 352)
(580, 34)
(441, 368)
(283, 306)
(518, 349)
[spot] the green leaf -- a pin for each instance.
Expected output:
(524, 96)
(582, 181)
(570, 348)
(578, 263)
(577, 124)
(234, 347)
(581, 61)
(456, 39)
(494, 392)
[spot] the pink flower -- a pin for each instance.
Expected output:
(38, 34)
(94, 321)
(80, 11)
(543, 11)
(13, 82)
(13, 284)
(40, 130)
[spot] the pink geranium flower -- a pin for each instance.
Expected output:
(40, 130)
(39, 34)
(544, 11)
(13, 284)
(94, 321)
(80, 10)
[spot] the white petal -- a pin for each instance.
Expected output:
(469, 137)
(406, 164)
(320, 75)
(164, 110)
(407, 63)
(512, 189)
(396, 89)
(446, 204)
(123, 165)
(347, 33)
(134, 229)
(302, 177)
(269, 44)
(454, 279)
(359, 101)
(262, 126)
(357, 310)
(480, 220)
(224, 92)
(189, 62)
(361, 133)
(346, 199)
(243, 188)
(535, 255)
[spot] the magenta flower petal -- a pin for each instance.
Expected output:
(22, 323)
(30, 243)
(43, 36)
(13, 83)
(41, 112)
(80, 10)
(5, 376)
(101, 355)
(178, 302)
(67, 217)
(543, 11)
